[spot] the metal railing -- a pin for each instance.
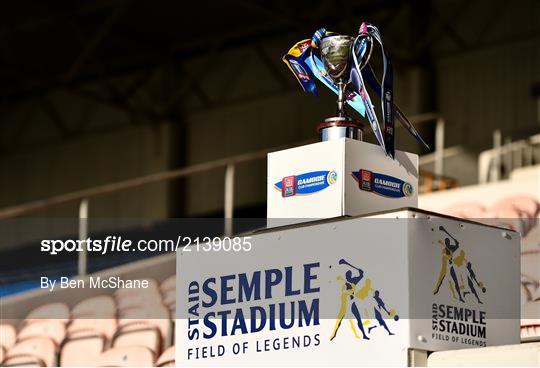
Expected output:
(497, 163)
(83, 196)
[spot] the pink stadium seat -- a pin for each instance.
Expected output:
(138, 334)
(466, 210)
(510, 218)
(102, 306)
(8, 336)
(81, 349)
(53, 329)
(168, 284)
(40, 348)
(23, 360)
(57, 311)
(167, 359)
(129, 356)
(530, 323)
(157, 316)
(169, 299)
(105, 327)
(525, 293)
(532, 239)
(525, 203)
(530, 265)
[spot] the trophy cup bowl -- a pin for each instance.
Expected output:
(335, 54)
(336, 57)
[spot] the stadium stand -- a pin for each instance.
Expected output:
(36, 351)
(135, 327)
(69, 328)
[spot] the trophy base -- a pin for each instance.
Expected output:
(340, 127)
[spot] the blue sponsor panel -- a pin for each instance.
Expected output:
(385, 185)
(307, 183)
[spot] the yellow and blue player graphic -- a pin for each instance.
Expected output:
(463, 280)
(357, 293)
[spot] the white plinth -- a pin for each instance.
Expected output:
(338, 178)
(398, 257)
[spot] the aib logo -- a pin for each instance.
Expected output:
(361, 301)
(457, 270)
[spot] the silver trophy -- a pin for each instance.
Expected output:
(336, 57)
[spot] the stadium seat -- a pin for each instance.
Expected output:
(470, 210)
(105, 327)
(530, 322)
(129, 356)
(530, 261)
(102, 306)
(42, 349)
(57, 311)
(8, 336)
(82, 348)
(138, 334)
(172, 310)
(168, 284)
(23, 360)
(167, 359)
(53, 329)
(532, 239)
(157, 316)
(525, 293)
(524, 203)
(169, 297)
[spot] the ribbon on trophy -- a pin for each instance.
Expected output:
(306, 65)
(295, 60)
(367, 34)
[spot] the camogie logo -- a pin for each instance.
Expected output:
(408, 189)
(461, 323)
(361, 303)
(331, 178)
(307, 183)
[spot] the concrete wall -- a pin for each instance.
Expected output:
(87, 162)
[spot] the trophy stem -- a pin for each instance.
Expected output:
(341, 100)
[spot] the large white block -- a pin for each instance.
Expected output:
(309, 294)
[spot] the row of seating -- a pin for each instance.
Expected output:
(133, 327)
(517, 212)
